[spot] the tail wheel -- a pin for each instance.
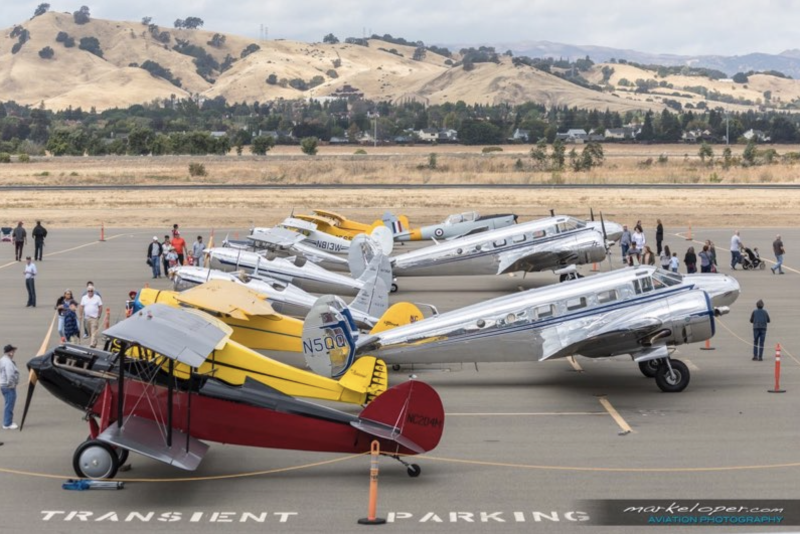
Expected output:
(96, 460)
(672, 381)
(649, 368)
(394, 288)
(414, 470)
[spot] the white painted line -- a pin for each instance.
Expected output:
(690, 365)
(574, 363)
(49, 254)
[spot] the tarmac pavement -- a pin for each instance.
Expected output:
(525, 444)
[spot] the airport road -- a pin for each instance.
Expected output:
(524, 444)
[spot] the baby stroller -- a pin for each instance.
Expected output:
(5, 233)
(751, 259)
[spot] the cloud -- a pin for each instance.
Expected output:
(664, 26)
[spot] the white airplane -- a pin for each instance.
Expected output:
(644, 312)
(456, 225)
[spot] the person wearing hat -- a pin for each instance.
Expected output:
(760, 319)
(179, 244)
(91, 310)
(20, 237)
(30, 281)
(9, 378)
(39, 233)
(154, 256)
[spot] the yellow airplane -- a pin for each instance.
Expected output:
(340, 226)
(253, 325)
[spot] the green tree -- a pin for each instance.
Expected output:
(41, 9)
(217, 41)
(749, 154)
(705, 151)
(558, 155)
(330, 39)
(92, 45)
(192, 23)
(81, 16)
(308, 145)
(46, 53)
(250, 49)
(140, 141)
(647, 133)
(539, 152)
(727, 157)
(262, 144)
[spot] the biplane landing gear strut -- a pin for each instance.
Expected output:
(672, 376)
(413, 470)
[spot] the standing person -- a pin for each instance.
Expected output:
(633, 255)
(83, 321)
(648, 258)
(674, 263)
(197, 251)
(165, 248)
(705, 260)
(20, 237)
(760, 319)
(154, 256)
(179, 244)
(9, 378)
(665, 257)
(713, 251)
(62, 307)
(777, 248)
(72, 330)
(638, 240)
(690, 259)
(736, 248)
(659, 236)
(625, 242)
(30, 282)
(91, 310)
(175, 231)
(39, 233)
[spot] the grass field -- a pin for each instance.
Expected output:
(408, 165)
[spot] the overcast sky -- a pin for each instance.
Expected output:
(725, 27)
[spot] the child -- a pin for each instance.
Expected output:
(674, 263)
(72, 332)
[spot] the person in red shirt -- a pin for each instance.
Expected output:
(179, 245)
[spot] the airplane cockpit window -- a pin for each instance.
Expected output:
(545, 311)
(576, 303)
(667, 278)
(636, 287)
(647, 284)
(467, 216)
(604, 297)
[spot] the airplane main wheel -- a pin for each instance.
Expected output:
(122, 455)
(414, 470)
(675, 381)
(96, 460)
(394, 288)
(649, 368)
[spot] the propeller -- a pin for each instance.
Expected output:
(32, 379)
(591, 214)
(605, 239)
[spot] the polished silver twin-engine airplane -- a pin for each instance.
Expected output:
(549, 243)
(643, 312)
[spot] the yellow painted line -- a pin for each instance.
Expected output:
(574, 363)
(521, 414)
(690, 365)
(615, 414)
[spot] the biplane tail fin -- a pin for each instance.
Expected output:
(398, 224)
(399, 314)
(410, 414)
(329, 337)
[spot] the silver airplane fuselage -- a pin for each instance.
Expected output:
(539, 245)
(303, 274)
(627, 311)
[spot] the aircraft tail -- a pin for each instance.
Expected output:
(329, 337)
(410, 414)
(367, 375)
(397, 224)
(373, 298)
(364, 250)
(398, 315)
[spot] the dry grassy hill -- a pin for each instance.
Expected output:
(75, 77)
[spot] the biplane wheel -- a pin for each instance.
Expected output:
(672, 382)
(562, 278)
(396, 367)
(414, 470)
(649, 368)
(122, 455)
(394, 288)
(96, 460)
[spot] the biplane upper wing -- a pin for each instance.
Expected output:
(172, 332)
(330, 215)
(276, 237)
(226, 297)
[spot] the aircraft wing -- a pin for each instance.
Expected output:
(330, 215)
(172, 332)
(531, 259)
(596, 336)
(226, 297)
(276, 237)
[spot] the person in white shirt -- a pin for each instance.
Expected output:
(9, 378)
(91, 310)
(736, 247)
(30, 281)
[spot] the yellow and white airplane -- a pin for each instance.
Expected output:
(254, 326)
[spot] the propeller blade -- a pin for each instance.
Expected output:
(605, 240)
(32, 379)
(591, 213)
